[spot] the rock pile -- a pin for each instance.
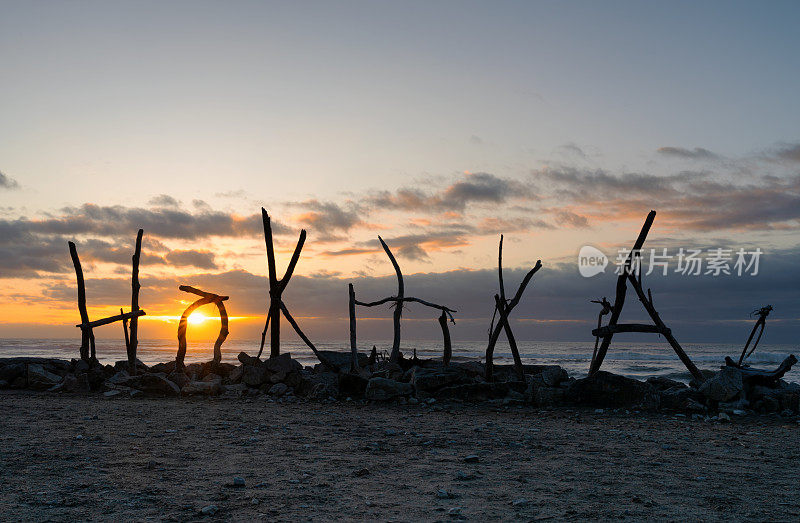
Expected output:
(409, 381)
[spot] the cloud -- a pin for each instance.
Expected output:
(325, 219)
(788, 152)
(191, 258)
(164, 200)
(467, 189)
(6, 182)
(698, 153)
(571, 149)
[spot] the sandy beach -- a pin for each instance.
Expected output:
(70, 457)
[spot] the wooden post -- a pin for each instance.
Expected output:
(398, 307)
(622, 288)
(274, 295)
(448, 348)
(352, 310)
(87, 336)
(133, 344)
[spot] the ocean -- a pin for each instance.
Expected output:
(633, 359)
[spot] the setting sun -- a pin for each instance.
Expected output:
(196, 318)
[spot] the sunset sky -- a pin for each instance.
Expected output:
(438, 125)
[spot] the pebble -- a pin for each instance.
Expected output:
(598, 411)
(390, 432)
(465, 476)
(455, 511)
(238, 481)
(472, 458)
(519, 502)
(254, 501)
(361, 472)
(413, 401)
(444, 494)
(79, 436)
(209, 510)
(723, 417)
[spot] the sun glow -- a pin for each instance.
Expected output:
(196, 318)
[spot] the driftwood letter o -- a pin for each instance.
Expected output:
(205, 298)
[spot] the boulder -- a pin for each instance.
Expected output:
(548, 396)
(382, 389)
(167, 368)
(352, 385)
(428, 380)
(278, 390)
(254, 375)
(235, 375)
(725, 385)
(178, 378)
(680, 398)
(41, 379)
(342, 359)
(246, 359)
(605, 389)
(202, 388)
(11, 371)
(553, 375)
(156, 384)
(662, 383)
(280, 366)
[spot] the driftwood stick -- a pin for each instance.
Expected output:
(203, 294)
(448, 347)
(495, 333)
(293, 261)
(762, 321)
(622, 288)
(352, 311)
(274, 290)
(111, 319)
(133, 344)
(307, 341)
(87, 336)
(512, 342)
(398, 308)
(263, 336)
(407, 299)
(223, 331)
(125, 331)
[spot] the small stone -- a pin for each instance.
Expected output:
(472, 458)
(723, 417)
(254, 501)
(111, 393)
(238, 481)
(519, 502)
(361, 473)
(455, 511)
(390, 432)
(739, 412)
(465, 476)
(444, 494)
(598, 411)
(209, 510)
(413, 401)
(79, 436)
(430, 401)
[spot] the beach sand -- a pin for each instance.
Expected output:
(76, 457)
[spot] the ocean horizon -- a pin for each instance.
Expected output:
(629, 358)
